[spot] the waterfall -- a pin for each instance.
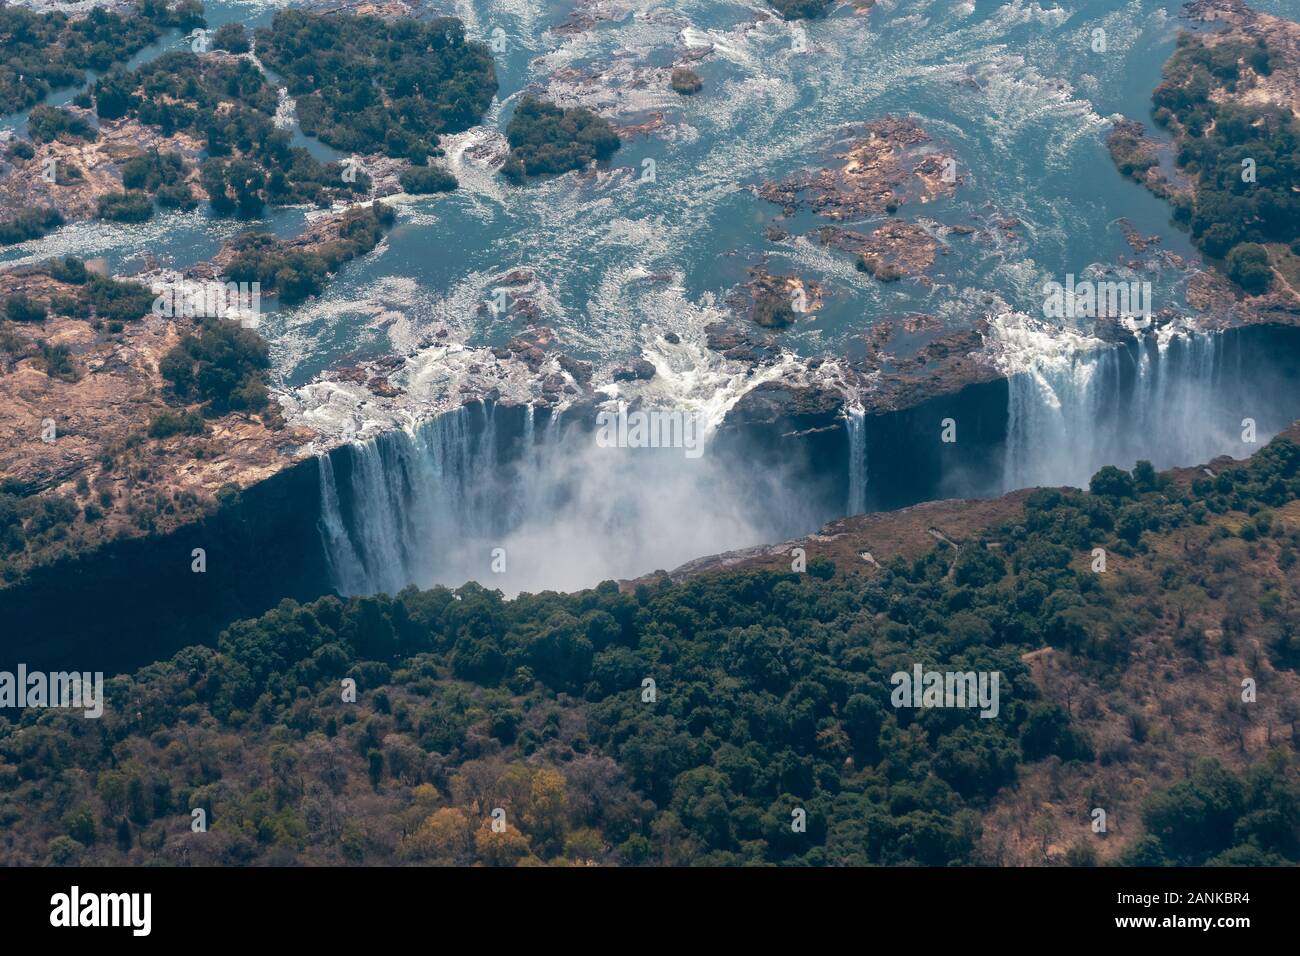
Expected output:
(855, 427)
(410, 492)
(1177, 402)
(432, 504)
(1053, 410)
(343, 560)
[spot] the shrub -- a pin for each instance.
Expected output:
(154, 171)
(231, 37)
(70, 269)
(1112, 482)
(113, 300)
(978, 567)
(222, 366)
(686, 82)
(58, 361)
(800, 9)
(133, 206)
(773, 312)
(176, 196)
(29, 224)
(167, 424)
(20, 308)
(46, 123)
(64, 850)
(1248, 266)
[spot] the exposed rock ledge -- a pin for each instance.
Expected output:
(880, 166)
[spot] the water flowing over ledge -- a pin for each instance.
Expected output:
(433, 503)
(524, 501)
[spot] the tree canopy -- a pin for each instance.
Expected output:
(365, 84)
(546, 139)
(1245, 157)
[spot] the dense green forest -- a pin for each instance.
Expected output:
(771, 695)
(43, 52)
(1244, 158)
(1220, 818)
(362, 84)
(369, 85)
(546, 139)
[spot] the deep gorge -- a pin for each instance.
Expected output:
(431, 504)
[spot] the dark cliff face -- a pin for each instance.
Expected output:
(918, 464)
(138, 600)
(907, 460)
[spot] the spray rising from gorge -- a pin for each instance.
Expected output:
(544, 506)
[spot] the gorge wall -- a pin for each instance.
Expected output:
(524, 501)
(522, 498)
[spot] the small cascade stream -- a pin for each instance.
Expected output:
(855, 425)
